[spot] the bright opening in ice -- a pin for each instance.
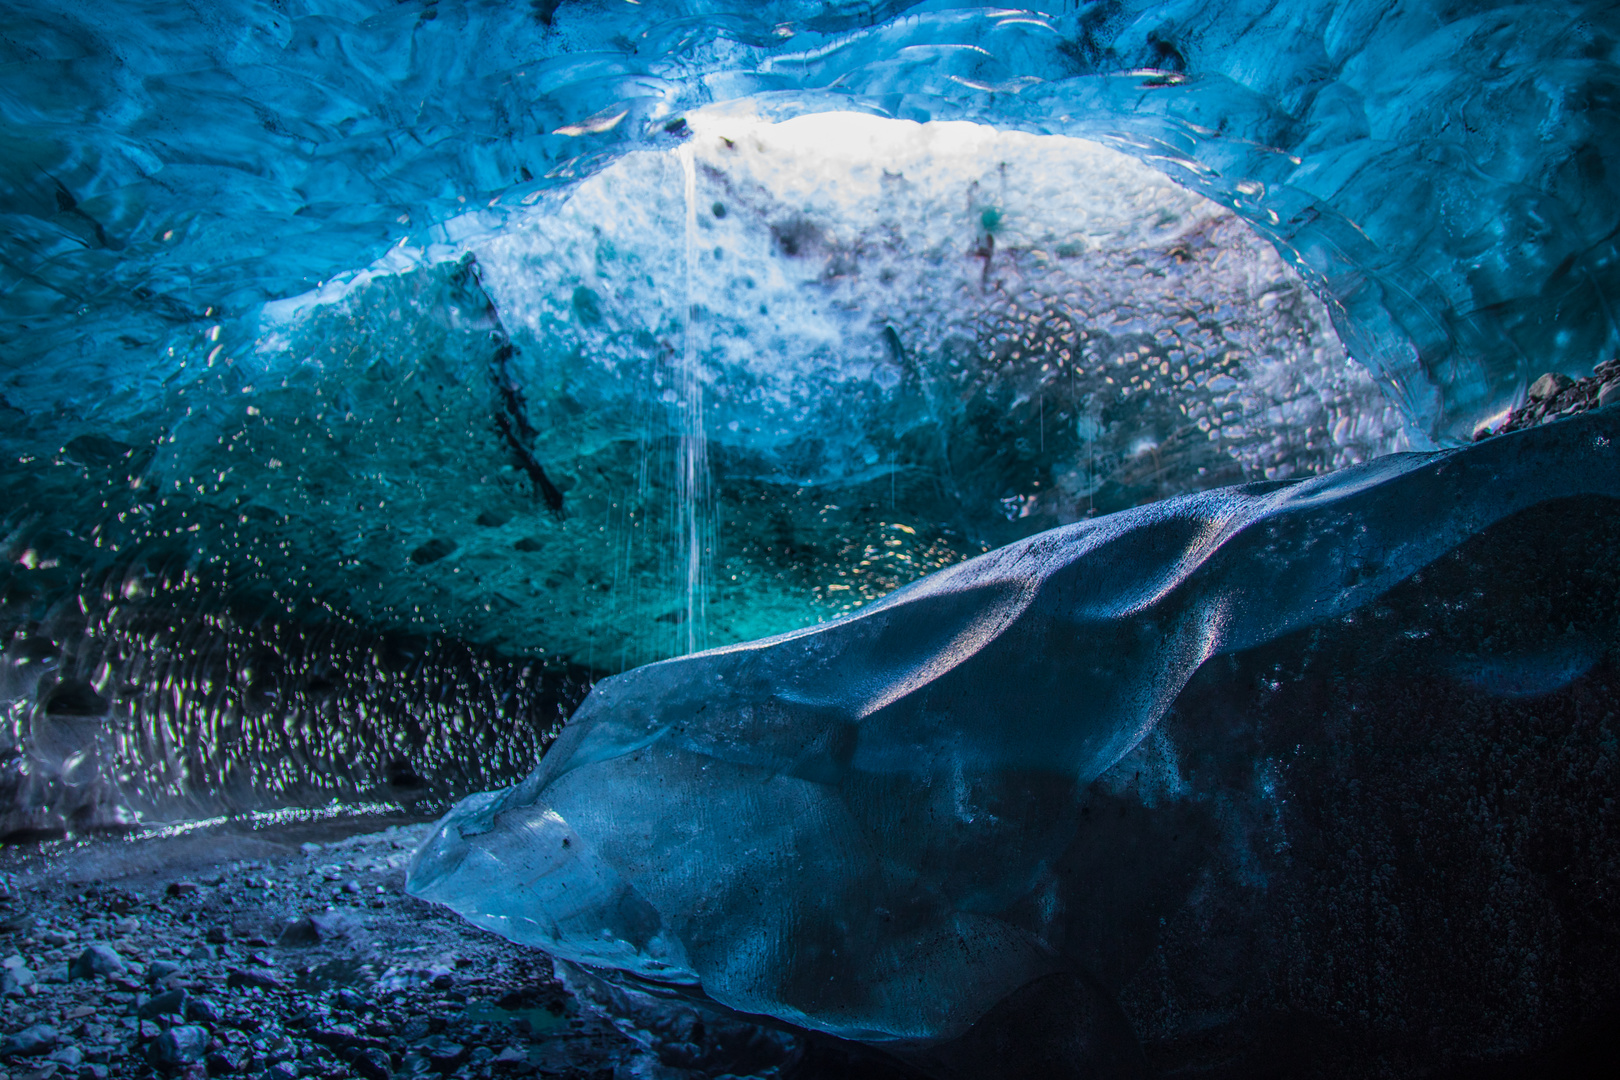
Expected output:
(785, 367)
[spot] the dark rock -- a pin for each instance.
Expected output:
(353, 1002)
(243, 978)
(172, 1003)
(29, 1042)
(97, 960)
(158, 970)
(299, 932)
(201, 1010)
(494, 519)
(20, 923)
(1609, 393)
(529, 543)
(183, 888)
(1549, 385)
(71, 1057)
(55, 938)
(443, 1054)
(444, 981)
(372, 1064)
(227, 1060)
(217, 935)
(313, 929)
(179, 1046)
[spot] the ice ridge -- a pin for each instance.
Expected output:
(836, 827)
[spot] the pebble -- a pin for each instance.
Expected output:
(1609, 393)
(180, 1046)
(158, 970)
(243, 978)
(102, 960)
(173, 1002)
(1549, 385)
(30, 1041)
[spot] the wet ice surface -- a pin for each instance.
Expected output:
(296, 952)
(881, 827)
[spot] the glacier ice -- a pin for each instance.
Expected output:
(374, 376)
(843, 827)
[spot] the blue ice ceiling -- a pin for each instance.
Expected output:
(1440, 171)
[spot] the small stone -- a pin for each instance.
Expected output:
(281, 1070)
(1609, 393)
(199, 952)
(352, 888)
(30, 1041)
(217, 935)
(128, 926)
(351, 1001)
(55, 938)
(299, 932)
(227, 1059)
(158, 970)
(1550, 385)
(179, 1046)
(183, 888)
(372, 1064)
(201, 1010)
(443, 1054)
(15, 980)
(172, 1003)
(97, 960)
(241, 978)
(69, 1057)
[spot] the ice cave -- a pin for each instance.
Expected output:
(806, 539)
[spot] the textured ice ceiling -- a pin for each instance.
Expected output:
(327, 323)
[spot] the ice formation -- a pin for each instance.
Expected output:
(376, 376)
(842, 827)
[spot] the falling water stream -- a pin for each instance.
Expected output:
(692, 465)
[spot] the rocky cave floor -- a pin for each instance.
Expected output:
(268, 953)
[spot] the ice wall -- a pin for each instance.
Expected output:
(862, 827)
(1436, 173)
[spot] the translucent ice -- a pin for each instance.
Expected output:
(846, 827)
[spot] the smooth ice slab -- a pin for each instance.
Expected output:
(843, 827)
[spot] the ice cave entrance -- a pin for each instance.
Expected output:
(772, 372)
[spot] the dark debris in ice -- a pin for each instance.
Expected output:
(1555, 396)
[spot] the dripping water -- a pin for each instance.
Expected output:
(692, 466)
